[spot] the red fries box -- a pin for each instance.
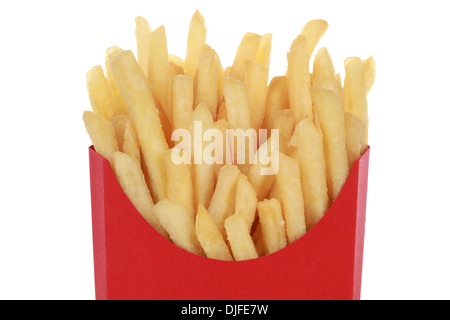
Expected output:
(134, 262)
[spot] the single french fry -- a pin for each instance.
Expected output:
(311, 160)
(277, 99)
(256, 77)
(219, 81)
(209, 236)
(273, 228)
(182, 101)
(236, 101)
(179, 183)
(202, 171)
(369, 73)
(175, 69)
(284, 122)
(331, 121)
(221, 125)
(291, 197)
(324, 75)
(354, 128)
(119, 103)
(144, 114)
(196, 38)
(176, 61)
(142, 33)
(354, 94)
(258, 240)
(245, 200)
(238, 236)
(99, 93)
(299, 80)
(180, 226)
(207, 79)
(313, 31)
(247, 50)
(158, 68)
(130, 142)
(119, 123)
(264, 48)
(131, 179)
(222, 203)
(262, 183)
(102, 135)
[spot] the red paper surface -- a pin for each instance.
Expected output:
(133, 261)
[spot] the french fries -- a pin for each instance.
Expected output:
(131, 179)
(168, 127)
(134, 88)
(102, 135)
(210, 238)
(331, 120)
(99, 93)
(196, 38)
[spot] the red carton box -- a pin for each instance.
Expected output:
(134, 262)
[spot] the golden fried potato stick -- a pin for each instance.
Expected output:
(179, 182)
(176, 61)
(209, 236)
(144, 114)
(291, 197)
(264, 48)
(102, 135)
(236, 102)
(245, 203)
(119, 123)
(222, 203)
(313, 31)
(131, 179)
(311, 160)
(142, 33)
(324, 75)
(196, 38)
(354, 94)
(247, 50)
(262, 183)
(100, 95)
(354, 129)
(180, 226)
(256, 77)
(369, 73)
(221, 125)
(119, 103)
(202, 172)
(272, 224)
(158, 68)
(331, 121)
(277, 99)
(299, 80)
(239, 238)
(207, 79)
(182, 101)
(284, 122)
(130, 142)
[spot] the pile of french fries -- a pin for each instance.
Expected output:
(229, 210)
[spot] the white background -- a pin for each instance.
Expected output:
(48, 46)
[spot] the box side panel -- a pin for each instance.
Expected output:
(363, 175)
(96, 168)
